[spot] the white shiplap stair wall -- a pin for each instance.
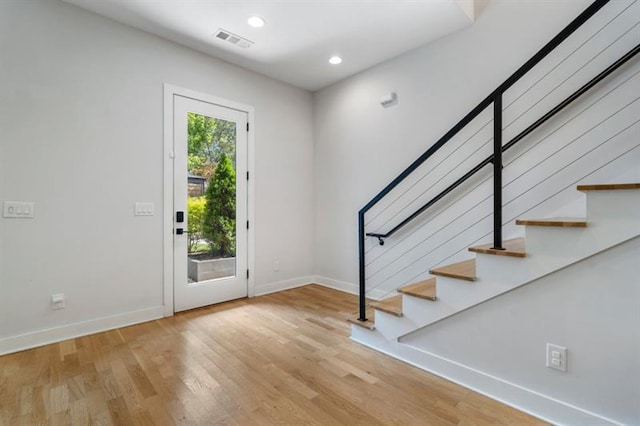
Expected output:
(593, 140)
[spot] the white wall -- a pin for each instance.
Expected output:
(81, 136)
(591, 308)
(360, 146)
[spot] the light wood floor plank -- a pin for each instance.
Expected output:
(283, 358)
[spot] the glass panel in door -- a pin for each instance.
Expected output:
(211, 198)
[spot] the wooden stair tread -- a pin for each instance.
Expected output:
(608, 187)
(391, 305)
(424, 289)
(465, 270)
(512, 248)
(369, 324)
(562, 222)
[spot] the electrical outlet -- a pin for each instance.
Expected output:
(276, 265)
(556, 357)
(57, 301)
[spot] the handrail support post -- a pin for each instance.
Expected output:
(497, 172)
(362, 315)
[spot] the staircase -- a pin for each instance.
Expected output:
(613, 217)
(430, 324)
(519, 152)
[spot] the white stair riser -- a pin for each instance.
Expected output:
(503, 274)
(416, 313)
(576, 243)
(551, 248)
(369, 337)
(562, 242)
(460, 294)
(621, 205)
(392, 326)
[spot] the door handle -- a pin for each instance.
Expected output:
(180, 231)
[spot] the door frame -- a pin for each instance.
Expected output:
(170, 91)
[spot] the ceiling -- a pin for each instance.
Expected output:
(299, 35)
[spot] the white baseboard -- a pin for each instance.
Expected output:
(57, 334)
(314, 279)
(526, 400)
(348, 287)
(282, 285)
(335, 284)
(37, 338)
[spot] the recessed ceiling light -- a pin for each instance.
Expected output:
(256, 21)
(335, 60)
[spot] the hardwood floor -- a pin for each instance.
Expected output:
(283, 358)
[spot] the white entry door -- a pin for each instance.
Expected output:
(210, 203)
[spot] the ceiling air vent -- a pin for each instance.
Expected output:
(232, 38)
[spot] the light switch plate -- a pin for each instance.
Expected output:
(143, 209)
(18, 209)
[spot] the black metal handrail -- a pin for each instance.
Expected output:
(494, 98)
(630, 54)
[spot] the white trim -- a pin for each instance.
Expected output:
(277, 286)
(336, 284)
(167, 200)
(57, 334)
(251, 213)
(170, 91)
(54, 335)
(348, 287)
